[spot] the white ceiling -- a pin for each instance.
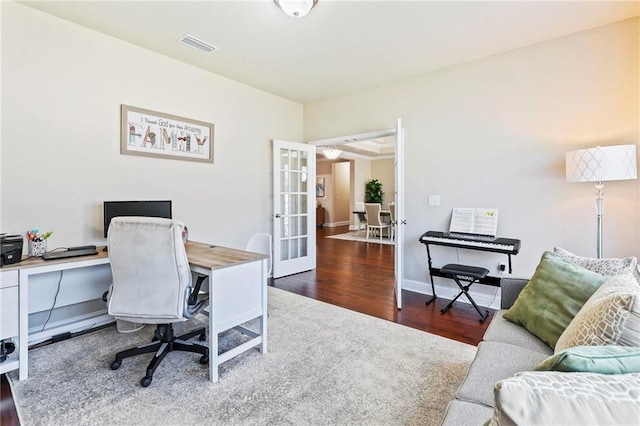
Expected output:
(341, 46)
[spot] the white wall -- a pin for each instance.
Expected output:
(494, 132)
(384, 171)
(62, 87)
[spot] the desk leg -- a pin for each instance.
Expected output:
(23, 330)
(263, 318)
(213, 334)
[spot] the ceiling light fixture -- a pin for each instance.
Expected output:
(296, 8)
(332, 153)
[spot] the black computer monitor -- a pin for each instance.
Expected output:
(135, 208)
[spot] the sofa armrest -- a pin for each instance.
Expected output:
(510, 288)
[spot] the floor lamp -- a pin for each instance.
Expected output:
(600, 164)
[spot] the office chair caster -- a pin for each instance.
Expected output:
(204, 359)
(116, 364)
(146, 381)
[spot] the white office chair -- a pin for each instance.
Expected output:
(152, 285)
(262, 243)
(374, 223)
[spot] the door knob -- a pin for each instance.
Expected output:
(278, 215)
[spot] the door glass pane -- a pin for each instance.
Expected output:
(303, 180)
(295, 181)
(294, 226)
(284, 181)
(284, 158)
(284, 250)
(303, 247)
(284, 204)
(295, 163)
(294, 205)
(303, 204)
(284, 229)
(294, 249)
(303, 160)
(303, 225)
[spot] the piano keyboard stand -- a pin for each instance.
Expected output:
(469, 275)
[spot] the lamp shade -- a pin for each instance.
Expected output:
(600, 164)
(296, 8)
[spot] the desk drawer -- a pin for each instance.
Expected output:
(9, 316)
(8, 278)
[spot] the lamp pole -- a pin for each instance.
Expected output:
(599, 211)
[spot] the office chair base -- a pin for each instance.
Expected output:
(162, 343)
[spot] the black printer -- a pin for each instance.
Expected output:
(11, 249)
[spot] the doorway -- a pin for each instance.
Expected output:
(370, 146)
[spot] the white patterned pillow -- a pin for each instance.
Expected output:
(603, 319)
(607, 267)
(554, 398)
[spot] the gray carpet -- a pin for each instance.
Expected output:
(325, 366)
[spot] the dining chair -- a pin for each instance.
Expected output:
(392, 219)
(362, 216)
(373, 219)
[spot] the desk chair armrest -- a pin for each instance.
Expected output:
(195, 301)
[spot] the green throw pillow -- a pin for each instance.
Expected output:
(594, 359)
(554, 295)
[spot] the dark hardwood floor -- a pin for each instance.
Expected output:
(359, 276)
(356, 276)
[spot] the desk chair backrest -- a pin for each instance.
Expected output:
(151, 275)
(261, 243)
(373, 213)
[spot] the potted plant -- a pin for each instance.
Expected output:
(373, 192)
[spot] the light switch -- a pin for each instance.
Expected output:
(434, 200)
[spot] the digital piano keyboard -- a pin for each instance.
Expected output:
(472, 242)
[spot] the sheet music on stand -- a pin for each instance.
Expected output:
(478, 221)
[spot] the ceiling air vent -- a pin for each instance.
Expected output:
(198, 44)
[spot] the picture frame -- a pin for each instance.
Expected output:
(150, 133)
(320, 187)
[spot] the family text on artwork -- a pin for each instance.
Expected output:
(155, 134)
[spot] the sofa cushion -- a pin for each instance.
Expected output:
(552, 298)
(594, 359)
(461, 413)
(495, 361)
(554, 398)
(608, 267)
(604, 317)
(501, 330)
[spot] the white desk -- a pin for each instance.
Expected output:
(237, 285)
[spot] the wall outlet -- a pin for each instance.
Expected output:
(434, 200)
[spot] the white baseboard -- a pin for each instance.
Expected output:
(487, 296)
(336, 224)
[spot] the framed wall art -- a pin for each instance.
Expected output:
(155, 134)
(320, 187)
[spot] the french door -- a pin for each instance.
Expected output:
(294, 210)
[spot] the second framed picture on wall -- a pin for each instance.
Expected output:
(320, 187)
(156, 134)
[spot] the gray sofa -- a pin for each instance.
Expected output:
(506, 349)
